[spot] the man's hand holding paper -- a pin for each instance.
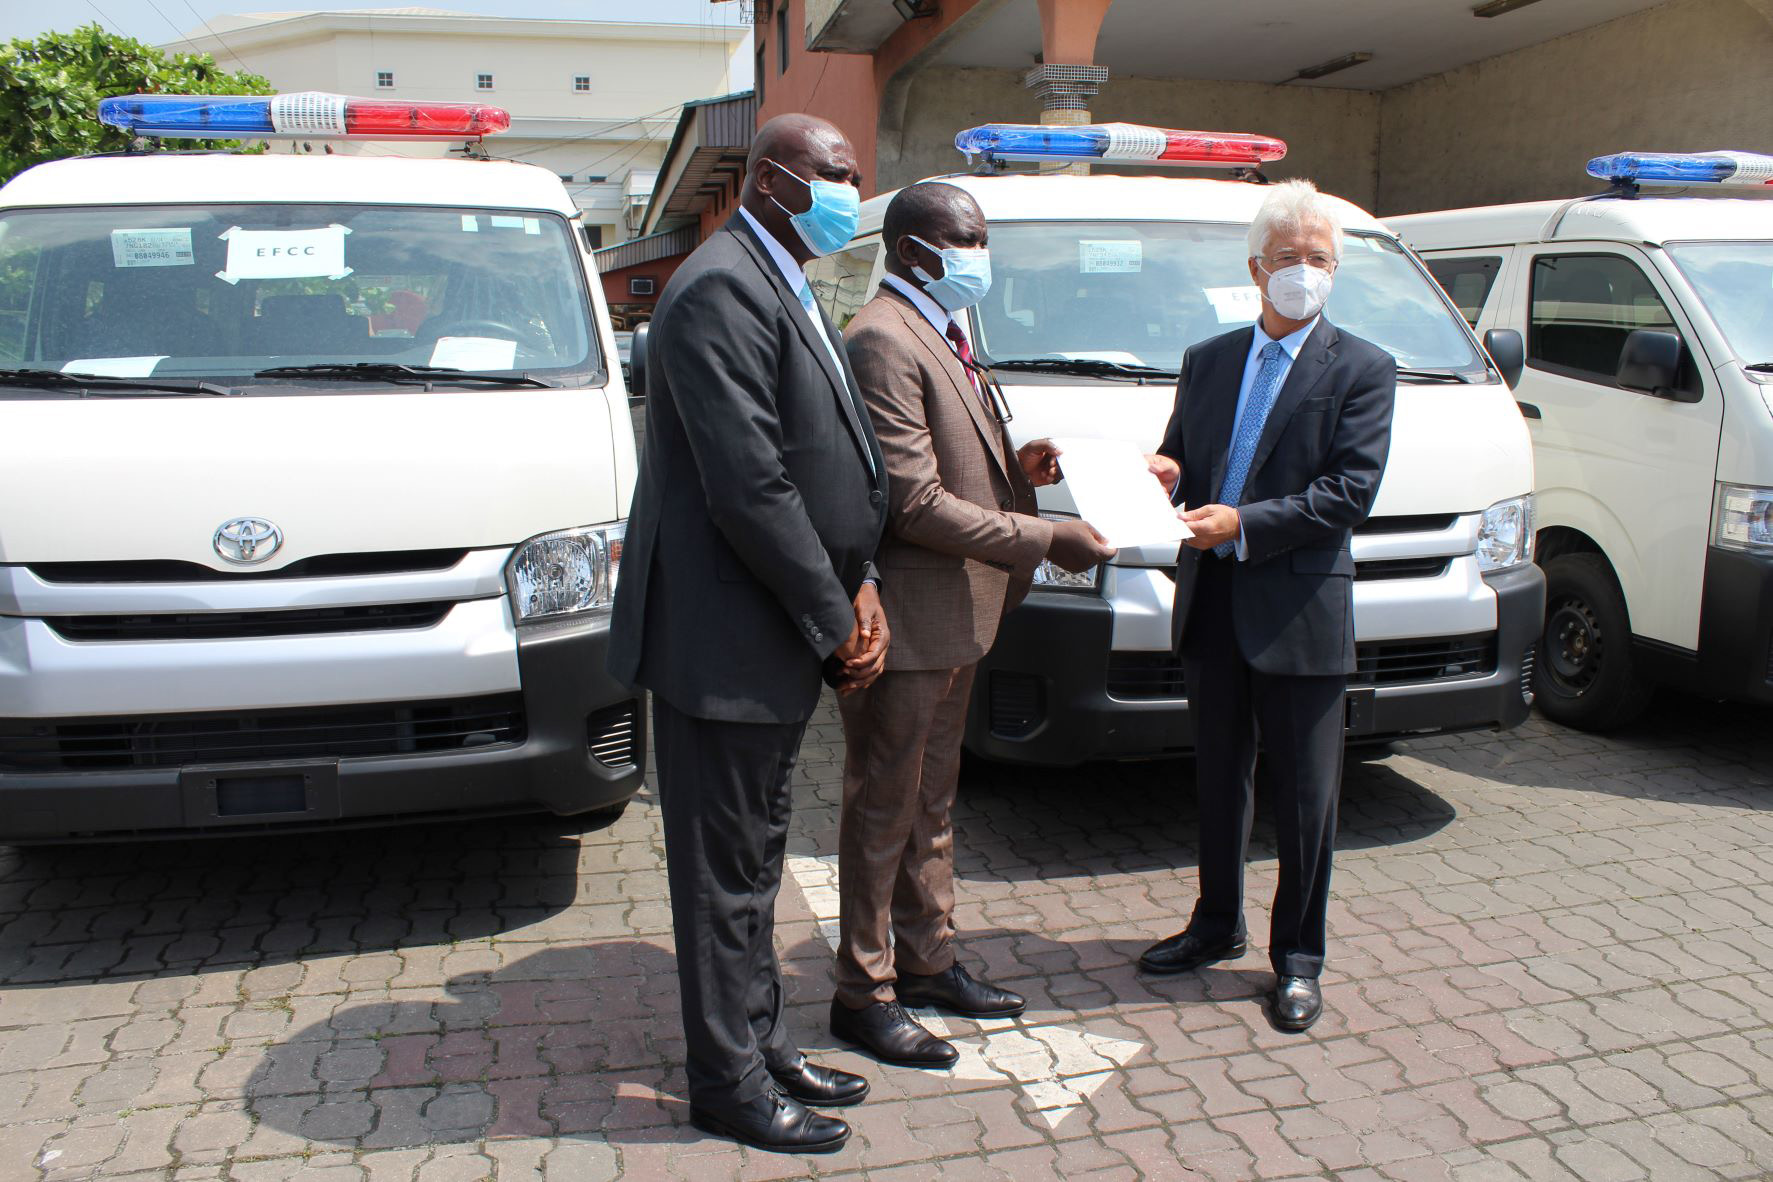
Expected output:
(1116, 490)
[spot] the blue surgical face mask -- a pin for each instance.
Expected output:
(966, 275)
(830, 221)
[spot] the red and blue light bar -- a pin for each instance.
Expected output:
(1684, 168)
(307, 115)
(1128, 143)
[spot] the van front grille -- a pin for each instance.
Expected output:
(1402, 568)
(1151, 676)
(308, 621)
(177, 740)
(321, 566)
(1420, 523)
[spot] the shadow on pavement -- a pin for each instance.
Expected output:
(1025, 823)
(82, 914)
(1683, 749)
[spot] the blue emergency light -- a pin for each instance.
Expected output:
(1119, 142)
(308, 114)
(1684, 168)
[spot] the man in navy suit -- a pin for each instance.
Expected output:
(1278, 440)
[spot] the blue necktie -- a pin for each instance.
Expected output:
(806, 301)
(1249, 430)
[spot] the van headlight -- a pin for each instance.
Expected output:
(1744, 519)
(1049, 576)
(565, 573)
(1505, 536)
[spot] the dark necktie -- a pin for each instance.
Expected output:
(965, 353)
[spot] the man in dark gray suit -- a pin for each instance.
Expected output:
(747, 577)
(1279, 437)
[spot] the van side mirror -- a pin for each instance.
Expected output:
(637, 362)
(1507, 353)
(1650, 363)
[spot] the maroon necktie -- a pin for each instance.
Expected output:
(965, 352)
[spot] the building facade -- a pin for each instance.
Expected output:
(593, 101)
(1399, 105)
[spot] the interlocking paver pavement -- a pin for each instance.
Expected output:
(1550, 957)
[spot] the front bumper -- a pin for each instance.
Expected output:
(1736, 627)
(578, 745)
(1052, 691)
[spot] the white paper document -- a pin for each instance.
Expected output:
(1116, 492)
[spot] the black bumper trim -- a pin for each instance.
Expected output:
(1735, 655)
(1062, 642)
(564, 683)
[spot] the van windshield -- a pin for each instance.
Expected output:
(226, 291)
(1140, 293)
(1735, 280)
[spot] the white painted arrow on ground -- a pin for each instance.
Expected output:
(1058, 1066)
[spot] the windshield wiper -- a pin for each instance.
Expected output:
(387, 371)
(1429, 375)
(54, 379)
(1091, 366)
(1760, 367)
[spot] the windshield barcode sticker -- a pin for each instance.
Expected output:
(1110, 257)
(152, 248)
(311, 112)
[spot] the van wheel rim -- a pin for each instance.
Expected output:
(1574, 646)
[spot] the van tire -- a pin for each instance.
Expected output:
(1586, 676)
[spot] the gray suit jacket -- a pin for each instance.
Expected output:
(755, 516)
(964, 539)
(1312, 480)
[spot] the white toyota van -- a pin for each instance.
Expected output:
(1100, 284)
(313, 472)
(1648, 391)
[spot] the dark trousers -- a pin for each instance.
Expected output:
(724, 792)
(1299, 724)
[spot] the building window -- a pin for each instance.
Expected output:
(594, 235)
(782, 40)
(581, 84)
(384, 79)
(595, 180)
(483, 81)
(640, 287)
(567, 177)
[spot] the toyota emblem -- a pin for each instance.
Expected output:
(247, 539)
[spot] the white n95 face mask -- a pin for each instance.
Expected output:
(1298, 292)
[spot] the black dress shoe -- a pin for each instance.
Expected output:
(773, 1121)
(1185, 950)
(1297, 1003)
(888, 1033)
(957, 992)
(821, 1087)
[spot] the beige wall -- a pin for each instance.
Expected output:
(1685, 76)
(1682, 77)
(1331, 135)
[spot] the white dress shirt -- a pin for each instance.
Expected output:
(792, 274)
(1259, 340)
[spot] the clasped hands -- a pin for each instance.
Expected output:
(862, 656)
(1213, 525)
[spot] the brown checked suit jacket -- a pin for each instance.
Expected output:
(962, 536)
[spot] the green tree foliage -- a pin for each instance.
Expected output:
(50, 90)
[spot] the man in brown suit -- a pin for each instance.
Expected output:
(962, 545)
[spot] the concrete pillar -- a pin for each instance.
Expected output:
(1067, 77)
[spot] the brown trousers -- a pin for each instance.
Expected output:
(895, 846)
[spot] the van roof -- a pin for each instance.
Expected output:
(172, 178)
(1653, 220)
(1031, 197)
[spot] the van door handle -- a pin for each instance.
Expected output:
(1529, 411)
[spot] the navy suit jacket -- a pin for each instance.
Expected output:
(760, 500)
(1313, 479)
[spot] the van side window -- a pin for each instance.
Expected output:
(842, 282)
(1583, 308)
(1467, 281)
